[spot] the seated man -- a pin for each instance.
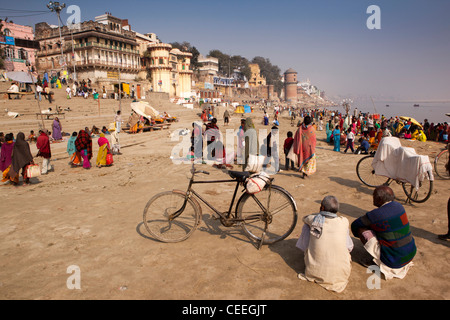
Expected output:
(14, 89)
(326, 241)
(386, 235)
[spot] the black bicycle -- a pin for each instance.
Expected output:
(268, 216)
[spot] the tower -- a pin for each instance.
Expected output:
(290, 83)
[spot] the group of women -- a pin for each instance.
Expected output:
(16, 156)
(79, 148)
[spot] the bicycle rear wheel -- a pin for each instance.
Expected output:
(439, 164)
(422, 194)
(157, 217)
(283, 214)
(366, 173)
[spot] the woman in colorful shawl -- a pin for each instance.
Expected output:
(103, 150)
(21, 158)
(43, 145)
(56, 129)
(75, 156)
(337, 139)
(83, 143)
(305, 147)
(6, 156)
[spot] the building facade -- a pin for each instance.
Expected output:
(170, 70)
(102, 50)
(256, 79)
(18, 45)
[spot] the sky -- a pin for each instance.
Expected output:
(325, 41)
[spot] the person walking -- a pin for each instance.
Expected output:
(43, 145)
(350, 139)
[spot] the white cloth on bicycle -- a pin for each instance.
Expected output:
(401, 163)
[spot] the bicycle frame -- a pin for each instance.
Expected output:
(224, 216)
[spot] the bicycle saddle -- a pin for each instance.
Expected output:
(240, 176)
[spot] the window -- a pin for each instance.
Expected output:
(161, 61)
(9, 53)
(7, 32)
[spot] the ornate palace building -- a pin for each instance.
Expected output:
(100, 50)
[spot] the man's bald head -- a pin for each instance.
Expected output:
(381, 195)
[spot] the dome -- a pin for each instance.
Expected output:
(290, 70)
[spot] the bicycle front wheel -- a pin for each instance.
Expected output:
(159, 222)
(366, 173)
(422, 194)
(439, 164)
(280, 222)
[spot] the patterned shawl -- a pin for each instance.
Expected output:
(83, 142)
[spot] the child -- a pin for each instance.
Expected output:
(32, 137)
(350, 138)
(287, 146)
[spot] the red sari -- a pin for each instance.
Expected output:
(305, 148)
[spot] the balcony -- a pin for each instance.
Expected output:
(111, 65)
(105, 46)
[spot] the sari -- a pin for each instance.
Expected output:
(83, 143)
(304, 147)
(328, 131)
(337, 140)
(75, 156)
(6, 159)
(6, 155)
(103, 150)
(56, 130)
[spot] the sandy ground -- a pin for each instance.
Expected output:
(93, 219)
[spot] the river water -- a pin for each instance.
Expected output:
(433, 111)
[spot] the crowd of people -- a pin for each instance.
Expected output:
(325, 237)
(16, 156)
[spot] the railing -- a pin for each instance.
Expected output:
(106, 46)
(104, 63)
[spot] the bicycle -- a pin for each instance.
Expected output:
(440, 162)
(366, 173)
(268, 216)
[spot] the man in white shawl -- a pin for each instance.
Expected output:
(326, 243)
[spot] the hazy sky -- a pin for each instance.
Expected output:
(326, 41)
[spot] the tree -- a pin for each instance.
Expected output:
(228, 63)
(186, 47)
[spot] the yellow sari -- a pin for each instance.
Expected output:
(102, 151)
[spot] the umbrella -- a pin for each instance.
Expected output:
(21, 76)
(414, 121)
(144, 109)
